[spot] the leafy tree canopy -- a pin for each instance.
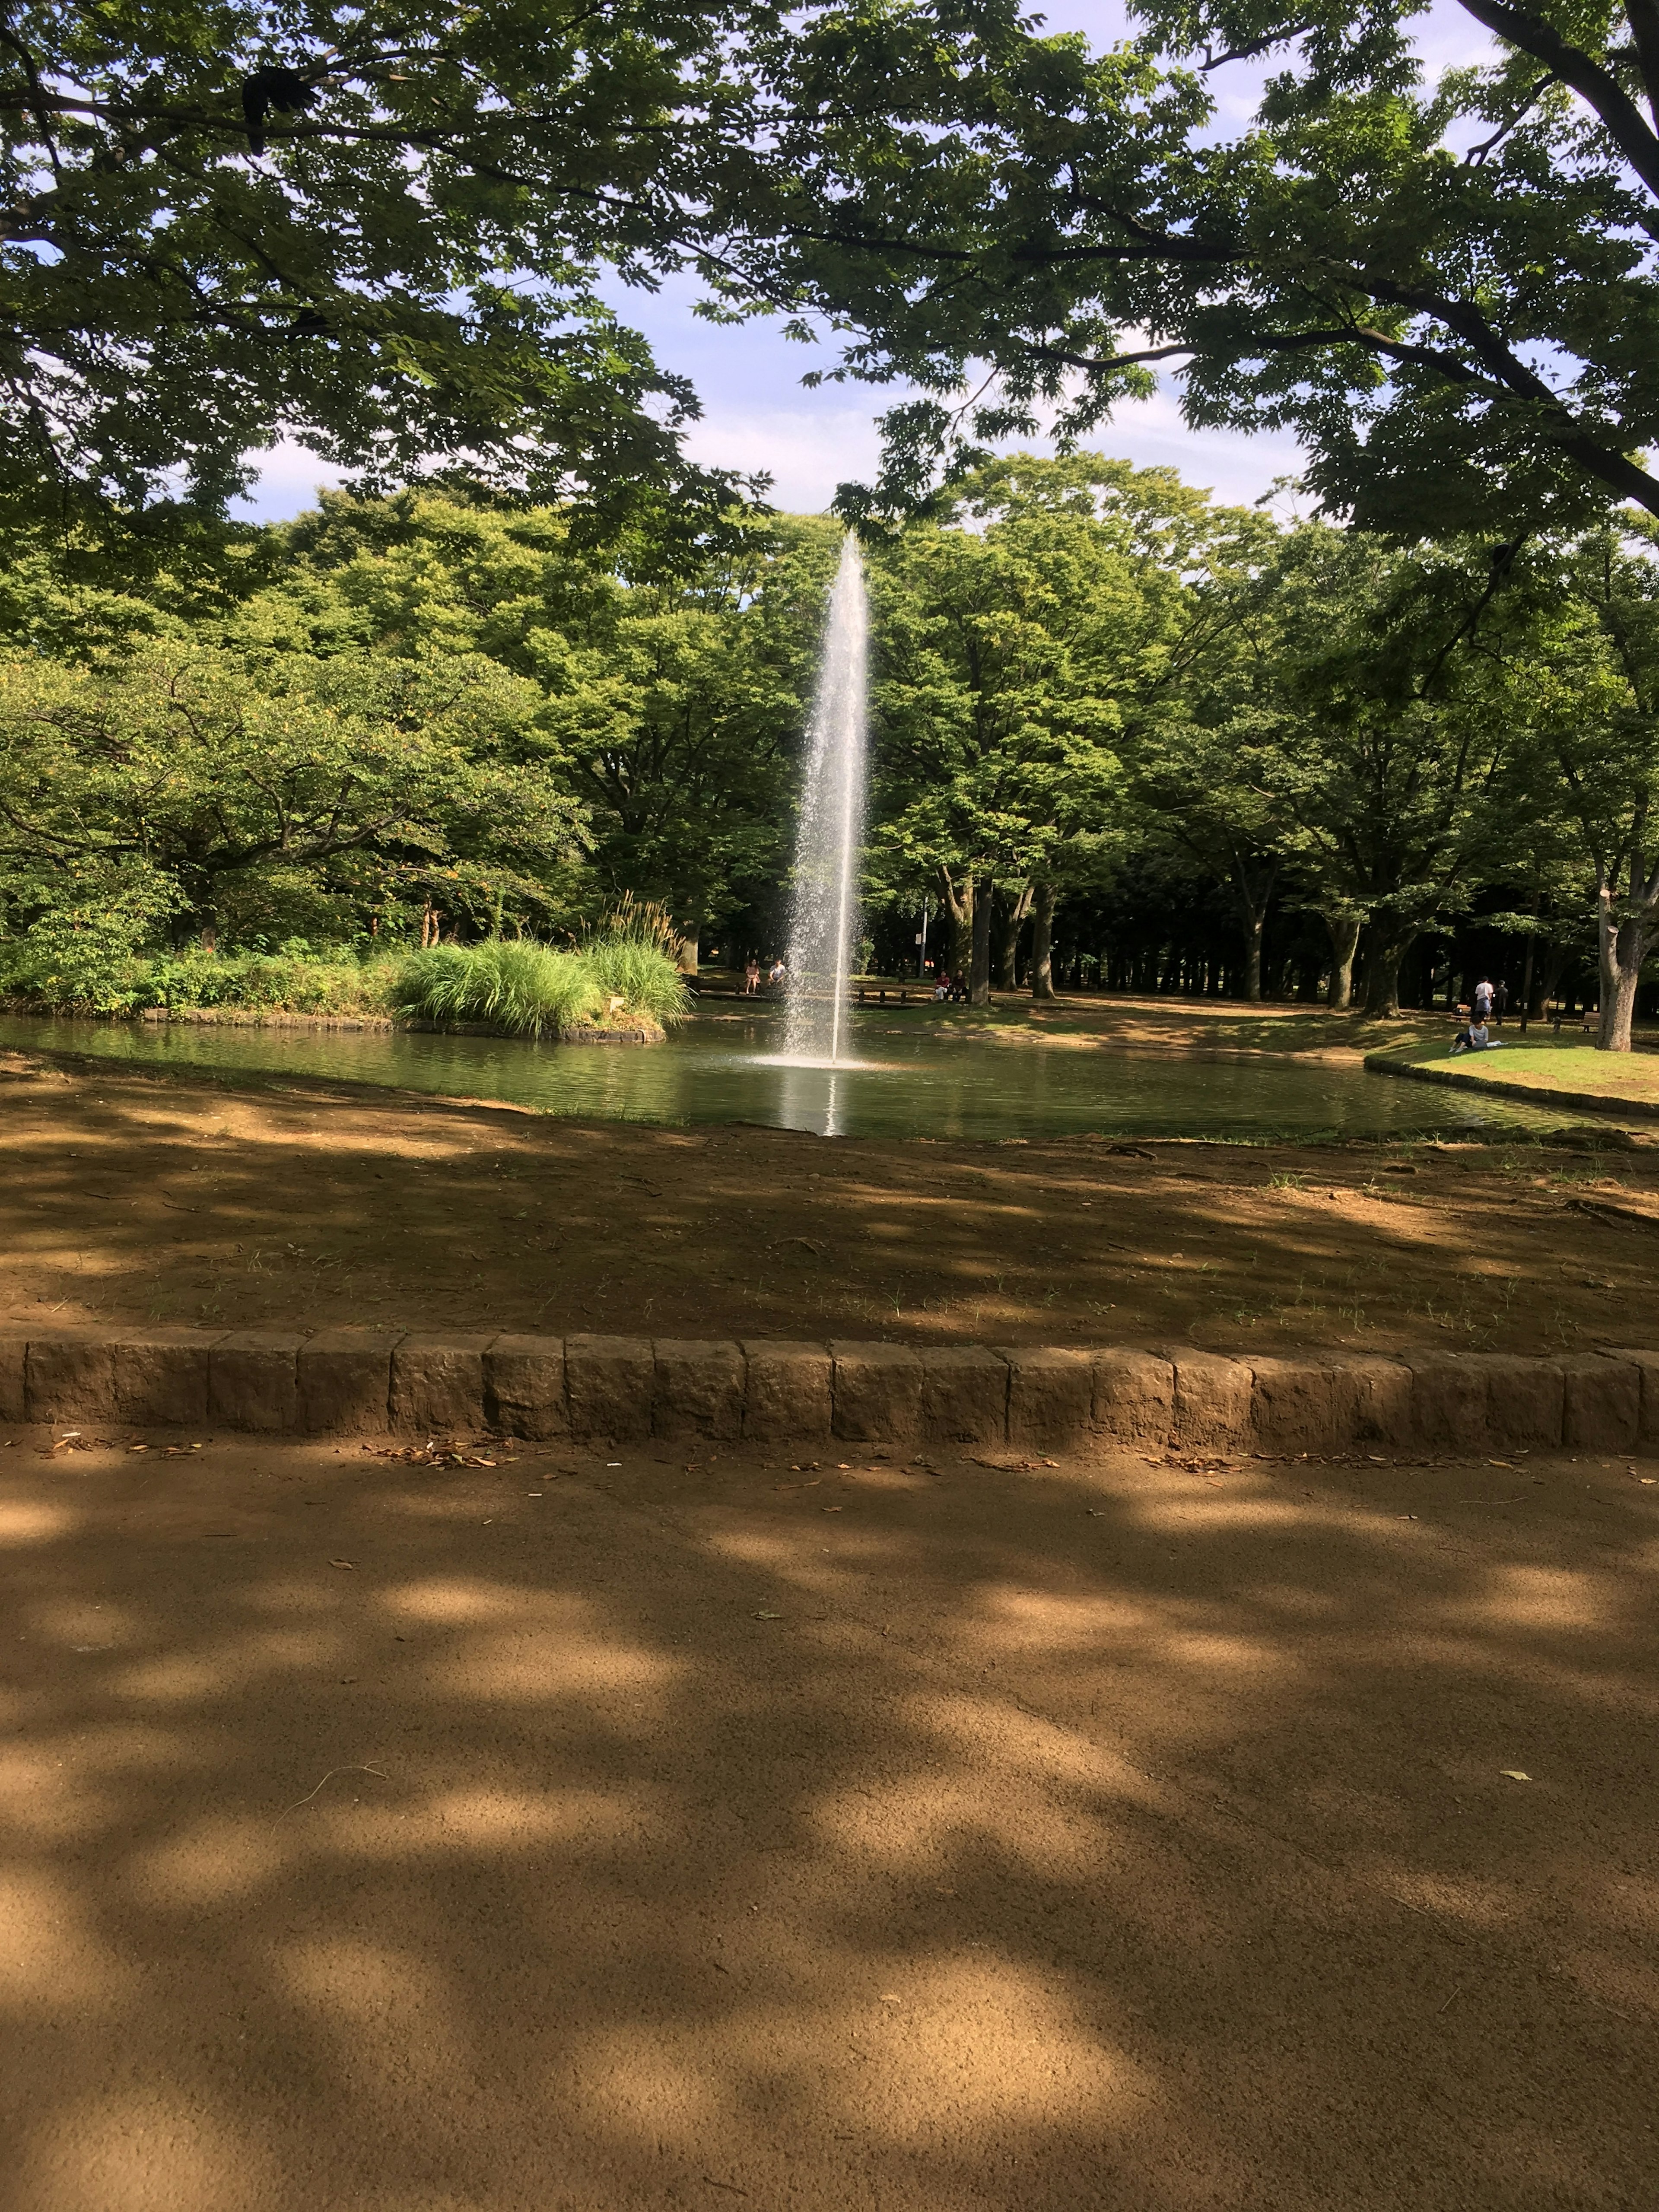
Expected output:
(381, 228)
(1449, 289)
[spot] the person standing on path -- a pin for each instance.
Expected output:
(1483, 1002)
(1500, 1002)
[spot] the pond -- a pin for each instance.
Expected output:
(914, 1081)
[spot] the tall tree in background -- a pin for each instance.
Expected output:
(1046, 618)
(1389, 703)
(1591, 714)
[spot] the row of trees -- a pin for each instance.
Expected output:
(1083, 662)
(411, 717)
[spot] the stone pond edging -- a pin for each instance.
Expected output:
(1457, 1078)
(378, 1382)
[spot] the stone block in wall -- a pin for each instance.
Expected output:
(1448, 1401)
(1133, 1397)
(878, 1392)
(437, 1383)
(787, 1394)
(964, 1395)
(253, 1380)
(70, 1377)
(345, 1381)
(1294, 1407)
(1525, 1400)
(609, 1382)
(524, 1386)
(1379, 1394)
(1603, 1410)
(1051, 1394)
(1215, 1398)
(13, 1374)
(161, 1376)
(1646, 1364)
(698, 1389)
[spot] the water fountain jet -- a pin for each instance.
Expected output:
(824, 909)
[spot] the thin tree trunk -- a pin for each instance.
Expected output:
(980, 983)
(1621, 947)
(1013, 921)
(1344, 930)
(1255, 896)
(956, 914)
(1043, 942)
(1254, 925)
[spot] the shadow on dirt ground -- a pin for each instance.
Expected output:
(636, 1830)
(135, 1198)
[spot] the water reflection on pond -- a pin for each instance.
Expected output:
(917, 1082)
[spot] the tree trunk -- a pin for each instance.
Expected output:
(1255, 896)
(1013, 921)
(1621, 947)
(1043, 942)
(1254, 925)
(1546, 981)
(980, 983)
(1344, 929)
(1383, 953)
(956, 918)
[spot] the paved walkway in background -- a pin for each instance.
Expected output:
(566, 1835)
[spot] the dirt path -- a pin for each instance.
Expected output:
(137, 1196)
(380, 1837)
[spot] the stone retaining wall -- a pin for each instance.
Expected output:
(350, 1381)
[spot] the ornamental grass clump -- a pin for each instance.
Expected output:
(638, 973)
(508, 984)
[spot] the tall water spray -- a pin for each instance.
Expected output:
(825, 908)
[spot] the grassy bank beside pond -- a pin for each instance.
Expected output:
(514, 985)
(1543, 1068)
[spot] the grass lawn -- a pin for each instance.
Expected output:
(1543, 1065)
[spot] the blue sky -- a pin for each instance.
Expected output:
(756, 414)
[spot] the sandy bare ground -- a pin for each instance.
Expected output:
(142, 1197)
(556, 1835)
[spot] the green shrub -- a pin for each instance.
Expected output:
(284, 983)
(510, 983)
(527, 988)
(639, 973)
(77, 970)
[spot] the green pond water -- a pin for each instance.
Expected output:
(914, 1082)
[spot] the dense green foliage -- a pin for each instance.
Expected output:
(1116, 730)
(1448, 289)
(383, 229)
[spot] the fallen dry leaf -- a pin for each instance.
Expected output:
(349, 1564)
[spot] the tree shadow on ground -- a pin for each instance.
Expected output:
(703, 1829)
(155, 1201)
